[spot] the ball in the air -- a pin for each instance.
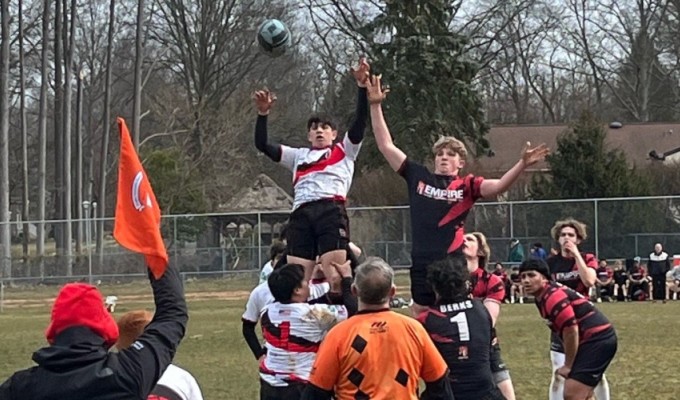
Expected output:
(273, 37)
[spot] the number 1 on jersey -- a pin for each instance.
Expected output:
(463, 330)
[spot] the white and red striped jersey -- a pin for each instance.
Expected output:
(292, 334)
(320, 174)
(261, 296)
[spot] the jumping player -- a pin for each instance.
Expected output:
(462, 331)
(490, 289)
(439, 201)
(576, 271)
(589, 338)
(322, 175)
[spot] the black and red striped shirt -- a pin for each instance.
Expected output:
(563, 307)
(565, 271)
(487, 286)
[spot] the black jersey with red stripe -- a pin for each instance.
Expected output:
(462, 333)
(565, 271)
(563, 307)
(487, 286)
(439, 205)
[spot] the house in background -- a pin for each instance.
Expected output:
(636, 140)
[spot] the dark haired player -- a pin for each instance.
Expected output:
(588, 337)
(576, 271)
(490, 290)
(440, 200)
(322, 175)
(293, 329)
(462, 331)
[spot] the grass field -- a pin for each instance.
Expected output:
(215, 352)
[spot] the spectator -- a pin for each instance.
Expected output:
(537, 251)
(659, 264)
(175, 383)
(620, 281)
(673, 283)
(638, 284)
(516, 289)
(589, 338)
(276, 251)
(516, 251)
(605, 281)
(377, 354)
(77, 363)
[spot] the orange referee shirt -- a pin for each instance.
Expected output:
(377, 355)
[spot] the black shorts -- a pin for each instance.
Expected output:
(592, 359)
(317, 228)
(422, 293)
(291, 392)
(497, 363)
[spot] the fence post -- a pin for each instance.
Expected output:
(512, 221)
(174, 239)
(259, 240)
(597, 231)
(2, 296)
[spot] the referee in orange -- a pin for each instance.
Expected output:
(377, 354)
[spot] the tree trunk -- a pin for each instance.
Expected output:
(139, 57)
(105, 139)
(5, 243)
(69, 44)
(26, 233)
(79, 162)
(42, 139)
(58, 132)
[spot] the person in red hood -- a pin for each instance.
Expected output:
(77, 363)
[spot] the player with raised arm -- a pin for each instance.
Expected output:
(440, 200)
(322, 175)
(577, 271)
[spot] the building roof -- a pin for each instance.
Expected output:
(635, 140)
(263, 195)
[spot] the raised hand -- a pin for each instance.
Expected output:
(531, 156)
(375, 92)
(361, 72)
(264, 100)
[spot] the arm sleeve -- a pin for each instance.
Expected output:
(348, 299)
(439, 389)
(251, 338)
(559, 310)
(146, 360)
(591, 261)
(270, 150)
(356, 131)
(313, 392)
(495, 289)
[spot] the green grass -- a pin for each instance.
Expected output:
(215, 352)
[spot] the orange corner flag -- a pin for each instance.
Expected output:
(138, 217)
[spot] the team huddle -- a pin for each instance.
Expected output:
(325, 316)
(327, 327)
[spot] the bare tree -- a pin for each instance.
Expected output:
(139, 57)
(5, 240)
(42, 139)
(105, 138)
(58, 129)
(69, 44)
(79, 159)
(24, 143)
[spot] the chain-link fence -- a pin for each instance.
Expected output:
(224, 244)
